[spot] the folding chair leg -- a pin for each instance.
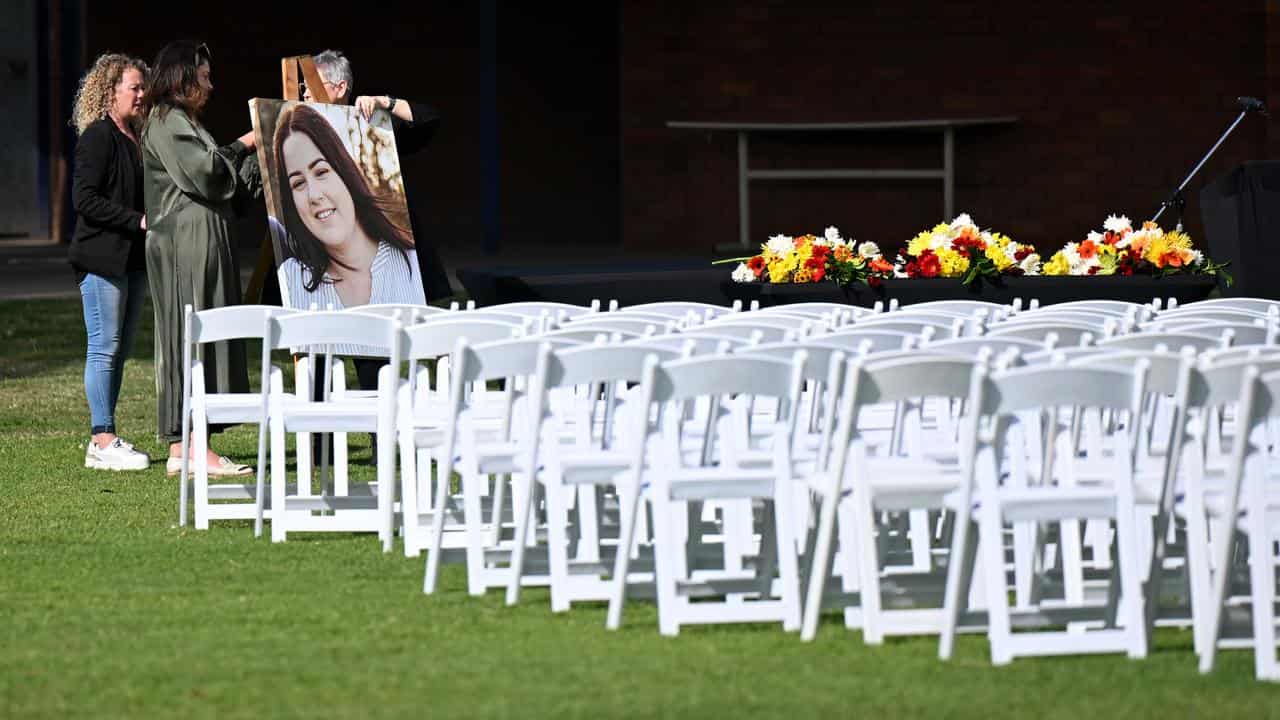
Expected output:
(201, 450)
(630, 502)
(820, 565)
(520, 511)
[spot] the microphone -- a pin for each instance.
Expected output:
(1252, 104)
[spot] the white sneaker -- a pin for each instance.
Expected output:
(119, 455)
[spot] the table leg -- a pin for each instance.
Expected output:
(744, 198)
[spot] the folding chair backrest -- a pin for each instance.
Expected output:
(586, 364)
(501, 359)
(1164, 367)
(818, 361)
(998, 345)
(1041, 386)
(1250, 304)
(409, 314)
(1258, 332)
(438, 338)
(609, 321)
(1217, 384)
(694, 343)
(1228, 314)
(901, 379)
(1116, 308)
(537, 308)
(587, 334)
(750, 332)
(678, 309)
(1171, 341)
(231, 322)
(857, 339)
(1063, 333)
(961, 308)
(728, 375)
(1053, 314)
(332, 327)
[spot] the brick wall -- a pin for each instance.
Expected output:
(1115, 104)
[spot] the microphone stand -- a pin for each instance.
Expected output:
(1176, 199)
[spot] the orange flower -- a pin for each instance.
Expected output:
(1087, 249)
(881, 265)
(842, 253)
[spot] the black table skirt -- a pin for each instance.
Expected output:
(1048, 290)
(636, 283)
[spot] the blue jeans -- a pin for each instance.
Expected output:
(111, 309)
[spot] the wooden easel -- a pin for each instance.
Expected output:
(289, 68)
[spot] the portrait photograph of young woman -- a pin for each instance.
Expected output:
(336, 206)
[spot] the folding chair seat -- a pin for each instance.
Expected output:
(201, 409)
(963, 308)
(1250, 304)
(356, 508)
(1104, 324)
(702, 343)
(871, 340)
(1259, 332)
(676, 482)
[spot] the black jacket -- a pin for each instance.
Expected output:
(106, 192)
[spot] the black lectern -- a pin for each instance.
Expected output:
(1241, 213)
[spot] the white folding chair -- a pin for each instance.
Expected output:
(677, 479)
(573, 401)
(200, 409)
(356, 508)
(1250, 506)
(478, 449)
(424, 411)
(996, 492)
(884, 477)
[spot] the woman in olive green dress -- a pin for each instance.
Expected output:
(189, 185)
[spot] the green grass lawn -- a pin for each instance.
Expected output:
(108, 609)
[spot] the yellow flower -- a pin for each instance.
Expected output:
(803, 275)
(1057, 265)
(953, 263)
(996, 253)
(919, 243)
(942, 228)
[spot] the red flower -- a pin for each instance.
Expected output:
(968, 245)
(874, 281)
(930, 265)
(819, 273)
(912, 269)
(756, 265)
(1021, 253)
(1111, 238)
(1093, 270)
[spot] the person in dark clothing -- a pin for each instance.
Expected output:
(107, 250)
(415, 125)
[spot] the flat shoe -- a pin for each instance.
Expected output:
(225, 467)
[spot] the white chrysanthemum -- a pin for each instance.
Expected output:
(899, 267)
(743, 274)
(781, 244)
(1095, 237)
(1197, 257)
(1030, 264)
(1117, 224)
(1011, 251)
(831, 234)
(869, 250)
(961, 219)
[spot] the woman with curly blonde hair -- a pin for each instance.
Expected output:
(108, 248)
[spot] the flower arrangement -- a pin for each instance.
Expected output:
(811, 259)
(960, 249)
(1121, 250)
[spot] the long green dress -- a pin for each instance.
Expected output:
(189, 185)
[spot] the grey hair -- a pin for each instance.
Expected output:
(335, 67)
